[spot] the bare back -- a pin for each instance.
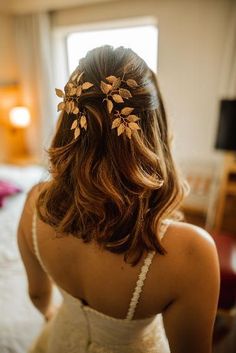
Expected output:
(93, 274)
(105, 282)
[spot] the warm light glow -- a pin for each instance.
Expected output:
(20, 117)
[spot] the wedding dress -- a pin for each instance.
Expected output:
(78, 328)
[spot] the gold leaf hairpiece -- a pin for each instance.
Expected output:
(124, 121)
(70, 104)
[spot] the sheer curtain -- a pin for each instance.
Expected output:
(228, 73)
(34, 58)
(227, 90)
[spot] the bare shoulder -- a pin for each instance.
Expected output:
(188, 238)
(33, 195)
(191, 254)
(29, 206)
(194, 283)
(34, 192)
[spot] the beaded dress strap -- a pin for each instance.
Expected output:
(139, 285)
(142, 275)
(35, 241)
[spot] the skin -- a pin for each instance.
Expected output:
(182, 285)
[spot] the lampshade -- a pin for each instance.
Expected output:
(226, 132)
(20, 117)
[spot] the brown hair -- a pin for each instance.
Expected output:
(106, 187)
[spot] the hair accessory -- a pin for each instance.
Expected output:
(116, 91)
(70, 104)
(124, 121)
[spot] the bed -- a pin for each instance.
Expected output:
(20, 322)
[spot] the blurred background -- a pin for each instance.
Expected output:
(191, 46)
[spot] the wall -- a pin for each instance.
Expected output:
(29, 6)
(8, 69)
(8, 74)
(191, 42)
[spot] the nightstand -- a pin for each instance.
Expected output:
(227, 188)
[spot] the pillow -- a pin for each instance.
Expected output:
(7, 189)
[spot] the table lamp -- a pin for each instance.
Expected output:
(19, 117)
(19, 121)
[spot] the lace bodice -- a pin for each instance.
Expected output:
(78, 328)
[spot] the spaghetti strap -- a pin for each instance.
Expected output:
(143, 274)
(139, 285)
(35, 241)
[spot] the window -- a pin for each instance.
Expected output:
(141, 39)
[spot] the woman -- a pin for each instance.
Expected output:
(104, 227)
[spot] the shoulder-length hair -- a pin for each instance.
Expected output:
(108, 188)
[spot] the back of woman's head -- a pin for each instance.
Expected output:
(113, 189)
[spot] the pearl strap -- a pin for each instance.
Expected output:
(143, 273)
(35, 242)
(139, 285)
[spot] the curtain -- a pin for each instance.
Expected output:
(228, 73)
(34, 59)
(227, 90)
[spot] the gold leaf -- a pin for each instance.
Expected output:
(134, 126)
(120, 129)
(133, 118)
(78, 91)
(87, 85)
(72, 91)
(106, 88)
(85, 126)
(117, 98)
(59, 93)
(68, 107)
(109, 105)
(74, 124)
(132, 83)
(116, 123)
(125, 93)
(116, 84)
(128, 132)
(61, 106)
(69, 85)
(77, 132)
(83, 121)
(127, 110)
(111, 79)
(79, 77)
(75, 110)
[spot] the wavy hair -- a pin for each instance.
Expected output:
(105, 187)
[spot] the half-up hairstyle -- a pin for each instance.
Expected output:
(109, 188)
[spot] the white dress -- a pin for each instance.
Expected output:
(77, 328)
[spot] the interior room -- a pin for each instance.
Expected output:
(190, 46)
